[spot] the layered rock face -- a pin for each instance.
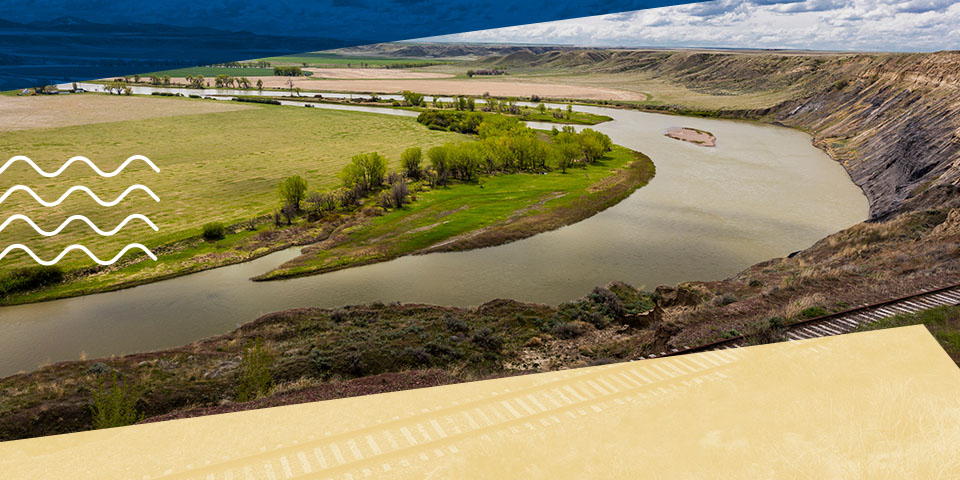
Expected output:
(894, 123)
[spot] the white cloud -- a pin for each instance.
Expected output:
(855, 25)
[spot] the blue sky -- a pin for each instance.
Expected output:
(865, 25)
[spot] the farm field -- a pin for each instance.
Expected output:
(49, 111)
(502, 87)
(219, 166)
(214, 71)
(335, 59)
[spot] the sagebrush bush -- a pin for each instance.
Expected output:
(566, 331)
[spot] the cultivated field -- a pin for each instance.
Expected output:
(335, 59)
(374, 73)
(213, 166)
(47, 111)
(506, 87)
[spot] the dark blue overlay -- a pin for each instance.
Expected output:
(52, 41)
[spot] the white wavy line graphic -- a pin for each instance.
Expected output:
(66, 222)
(78, 188)
(23, 158)
(17, 246)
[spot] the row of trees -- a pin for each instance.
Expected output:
(256, 64)
(471, 73)
(222, 81)
(288, 71)
(504, 145)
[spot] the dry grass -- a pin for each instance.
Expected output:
(49, 111)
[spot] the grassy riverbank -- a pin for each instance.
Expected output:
(494, 211)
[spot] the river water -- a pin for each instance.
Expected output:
(762, 192)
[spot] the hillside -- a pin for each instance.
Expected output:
(891, 119)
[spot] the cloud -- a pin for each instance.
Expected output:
(851, 25)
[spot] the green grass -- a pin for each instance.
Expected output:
(314, 59)
(443, 213)
(942, 322)
(211, 72)
(213, 167)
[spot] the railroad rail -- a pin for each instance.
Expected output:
(840, 322)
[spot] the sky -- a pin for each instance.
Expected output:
(846, 25)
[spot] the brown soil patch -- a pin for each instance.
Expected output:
(499, 88)
(48, 111)
(692, 135)
(373, 73)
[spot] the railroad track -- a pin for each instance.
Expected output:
(840, 322)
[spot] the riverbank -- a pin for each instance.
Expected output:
(308, 357)
(497, 210)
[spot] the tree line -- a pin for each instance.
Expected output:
(288, 71)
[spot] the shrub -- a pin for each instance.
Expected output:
(98, 368)
(770, 332)
(724, 300)
(385, 200)
(349, 197)
(811, 312)
(755, 283)
(115, 404)
(321, 203)
(455, 324)
(609, 302)
(289, 212)
(213, 231)
(29, 278)
(252, 99)
(568, 330)
(398, 194)
(254, 376)
(455, 121)
(487, 340)
(321, 362)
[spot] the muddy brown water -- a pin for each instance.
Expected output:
(762, 192)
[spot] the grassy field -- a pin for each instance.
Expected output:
(213, 166)
(494, 209)
(211, 72)
(333, 59)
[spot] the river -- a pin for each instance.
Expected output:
(762, 192)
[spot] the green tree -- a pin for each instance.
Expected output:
(410, 161)
(292, 190)
(260, 84)
(366, 171)
(412, 98)
(594, 144)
